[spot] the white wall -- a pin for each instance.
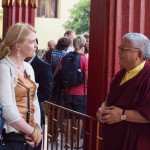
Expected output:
(52, 28)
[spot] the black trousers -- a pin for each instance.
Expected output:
(16, 141)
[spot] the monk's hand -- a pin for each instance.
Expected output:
(100, 112)
(111, 114)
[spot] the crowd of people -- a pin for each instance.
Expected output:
(73, 97)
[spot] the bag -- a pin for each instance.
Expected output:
(71, 71)
(4, 146)
(17, 141)
(57, 87)
(1, 120)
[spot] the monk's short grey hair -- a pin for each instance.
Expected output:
(140, 41)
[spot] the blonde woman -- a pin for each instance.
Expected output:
(18, 89)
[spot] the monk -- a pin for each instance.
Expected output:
(126, 111)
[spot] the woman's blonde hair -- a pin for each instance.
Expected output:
(79, 42)
(16, 34)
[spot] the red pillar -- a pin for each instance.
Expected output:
(109, 21)
(18, 11)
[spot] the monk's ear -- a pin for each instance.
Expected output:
(140, 54)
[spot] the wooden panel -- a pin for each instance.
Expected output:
(110, 20)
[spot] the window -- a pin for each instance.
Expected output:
(47, 8)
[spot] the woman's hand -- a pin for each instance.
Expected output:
(36, 135)
(29, 141)
(39, 138)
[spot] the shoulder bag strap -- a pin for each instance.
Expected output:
(28, 106)
(28, 103)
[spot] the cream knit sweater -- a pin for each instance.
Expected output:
(8, 81)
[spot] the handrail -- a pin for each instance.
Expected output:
(58, 121)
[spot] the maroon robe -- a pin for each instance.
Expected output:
(131, 95)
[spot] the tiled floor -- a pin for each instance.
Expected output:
(59, 144)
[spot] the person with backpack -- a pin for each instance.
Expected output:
(74, 70)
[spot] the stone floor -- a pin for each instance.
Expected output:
(59, 144)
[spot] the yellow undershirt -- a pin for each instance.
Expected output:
(130, 74)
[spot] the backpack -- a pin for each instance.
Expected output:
(71, 71)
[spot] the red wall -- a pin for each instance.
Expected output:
(17, 13)
(109, 20)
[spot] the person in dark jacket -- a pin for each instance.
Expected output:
(44, 77)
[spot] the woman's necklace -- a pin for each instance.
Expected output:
(19, 65)
(22, 70)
